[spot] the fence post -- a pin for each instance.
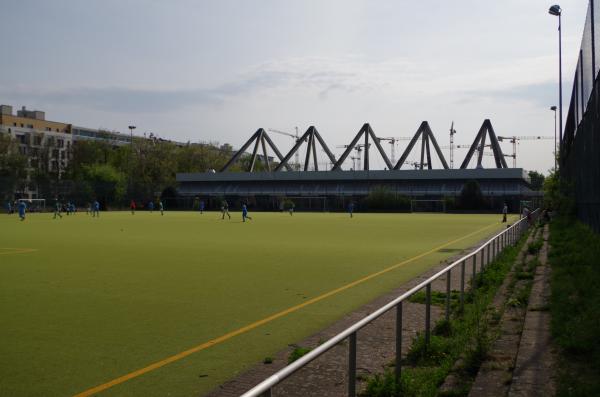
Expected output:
(488, 245)
(473, 286)
(448, 276)
(398, 368)
(462, 285)
(427, 314)
(482, 259)
(352, 366)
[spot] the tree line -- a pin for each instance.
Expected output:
(112, 174)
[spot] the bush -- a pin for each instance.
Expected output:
(382, 198)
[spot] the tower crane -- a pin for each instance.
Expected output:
(393, 140)
(296, 139)
(515, 139)
(452, 132)
(359, 148)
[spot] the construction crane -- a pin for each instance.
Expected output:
(393, 140)
(452, 132)
(515, 139)
(296, 139)
(359, 148)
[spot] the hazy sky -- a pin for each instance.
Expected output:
(217, 71)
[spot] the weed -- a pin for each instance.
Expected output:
(298, 352)
(268, 360)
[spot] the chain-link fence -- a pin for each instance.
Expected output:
(580, 148)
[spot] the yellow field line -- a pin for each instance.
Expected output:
(17, 251)
(265, 320)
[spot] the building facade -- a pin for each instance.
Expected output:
(47, 144)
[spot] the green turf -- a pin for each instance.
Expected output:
(103, 297)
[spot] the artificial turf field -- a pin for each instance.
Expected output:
(85, 300)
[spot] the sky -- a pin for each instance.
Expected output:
(216, 71)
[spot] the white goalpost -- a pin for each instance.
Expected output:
(35, 205)
(427, 206)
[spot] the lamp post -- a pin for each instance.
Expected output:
(557, 11)
(131, 128)
(553, 108)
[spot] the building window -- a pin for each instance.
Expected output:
(60, 143)
(37, 140)
(14, 124)
(48, 129)
(22, 125)
(29, 125)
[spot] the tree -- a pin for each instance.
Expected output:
(106, 183)
(13, 167)
(537, 180)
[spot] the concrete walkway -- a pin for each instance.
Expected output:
(534, 370)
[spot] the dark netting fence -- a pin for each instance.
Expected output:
(580, 148)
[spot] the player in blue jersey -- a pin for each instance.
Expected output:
(201, 206)
(351, 209)
(22, 209)
(96, 209)
(245, 213)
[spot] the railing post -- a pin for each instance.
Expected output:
(462, 285)
(495, 247)
(427, 314)
(352, 366)
(398, 368)
(489, 246)
(481, 263)
(448, 276)
(474, 272)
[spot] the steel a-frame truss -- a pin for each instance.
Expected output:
(367, 132)
(479, 145)
(261, 138)
(311, 136)
(424, 132)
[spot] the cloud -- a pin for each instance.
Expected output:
(320, 77)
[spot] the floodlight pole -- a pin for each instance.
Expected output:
(553, 108)
(131, 128)
(557, 11)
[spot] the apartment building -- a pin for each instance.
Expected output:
(47, 144)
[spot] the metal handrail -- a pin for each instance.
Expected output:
(494, 245)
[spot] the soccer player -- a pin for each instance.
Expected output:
(201, 206)
(351, 209)
(57, 209)
(96, 209)
(22, 208)
(161, 207)
(225, 209)
(291, 209)
(151, 206)
(132, 206)
(504, 213)
(245, 213)
(8, 208)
